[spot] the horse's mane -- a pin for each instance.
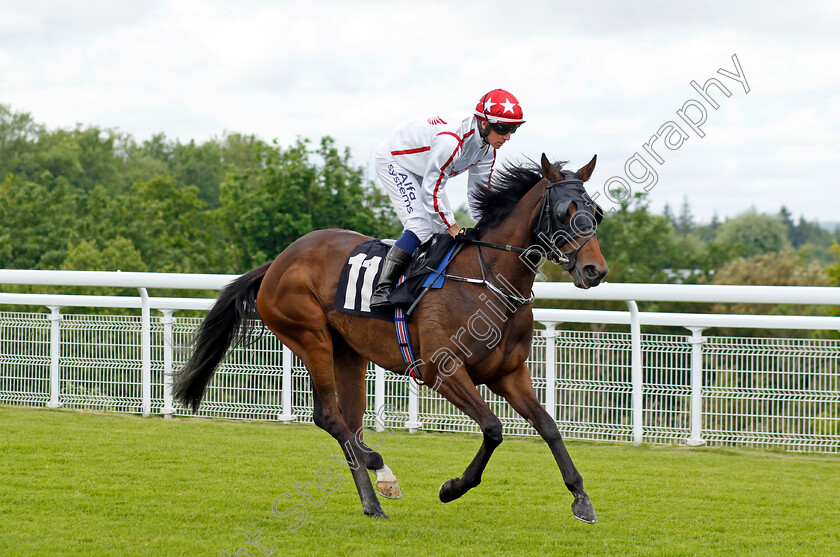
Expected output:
(509, 185)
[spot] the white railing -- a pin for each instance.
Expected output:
(627, 386)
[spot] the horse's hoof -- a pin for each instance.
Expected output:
(448, 492)
(583, 510)
(391, 490)
(377, 513)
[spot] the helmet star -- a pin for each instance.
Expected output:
(488, 105)
(508, 105)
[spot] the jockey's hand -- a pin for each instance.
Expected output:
(466, 235)
(454, 229)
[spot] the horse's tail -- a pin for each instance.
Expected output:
(222, 328)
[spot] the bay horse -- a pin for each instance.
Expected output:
(527, 213)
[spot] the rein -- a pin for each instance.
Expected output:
(516, 299)
(548, 224)
(483, 265)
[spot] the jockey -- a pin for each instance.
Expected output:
(417, 159)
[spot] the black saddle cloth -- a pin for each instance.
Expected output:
(361, 271)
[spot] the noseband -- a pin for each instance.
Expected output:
(550, 230)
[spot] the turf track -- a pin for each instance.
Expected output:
(86, 483)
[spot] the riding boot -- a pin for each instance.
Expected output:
(395, 263)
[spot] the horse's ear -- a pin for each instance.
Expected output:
(549, 171)
(586, 172)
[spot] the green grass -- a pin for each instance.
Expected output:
(110, 484)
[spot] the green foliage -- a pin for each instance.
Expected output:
(637, 244)
(463, 218)
(116, 254)
(781, 268)
(833, 271)
(684, 224)
(19, 134)
(87, 198)
(756, 232)
(34, 223)
(165, 221)
(266, 208)
(784, 268)
(644, 247)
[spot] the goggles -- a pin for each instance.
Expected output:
(502, 128)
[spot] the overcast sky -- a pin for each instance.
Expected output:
(592, 77)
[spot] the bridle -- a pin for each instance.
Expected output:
(549, 227)
(551, 231)
(548, 230)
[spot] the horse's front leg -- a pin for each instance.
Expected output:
(516, 388)
(459, 389)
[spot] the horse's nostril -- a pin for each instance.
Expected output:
(591, 271)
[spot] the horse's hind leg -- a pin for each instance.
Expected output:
(516, 388)
(313, 345)
(350, 369)
(327, 416)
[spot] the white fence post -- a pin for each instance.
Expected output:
(379, 398)
(551, 335)
(168, 360)
(636, 372)
(55, 355)
(145, 353)
(413, 423)
(287, 415)
(695, 439)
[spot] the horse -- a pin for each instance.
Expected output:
(528, 213)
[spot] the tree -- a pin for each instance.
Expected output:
(166, 222)
(685, 222)
(784, 268)
(202, 165)
(833, 270)
(463, 218)
(265, 208)
(757, 233)
(833, 273)
(637, 244)
(708, 232)
(787, 219)
(35, 223)
(19, 134)
(116, 254)
(668, 213)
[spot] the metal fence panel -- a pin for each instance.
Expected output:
(773, 392)
(24, 358)
(762, 392)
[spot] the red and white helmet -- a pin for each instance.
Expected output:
(499, 106)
